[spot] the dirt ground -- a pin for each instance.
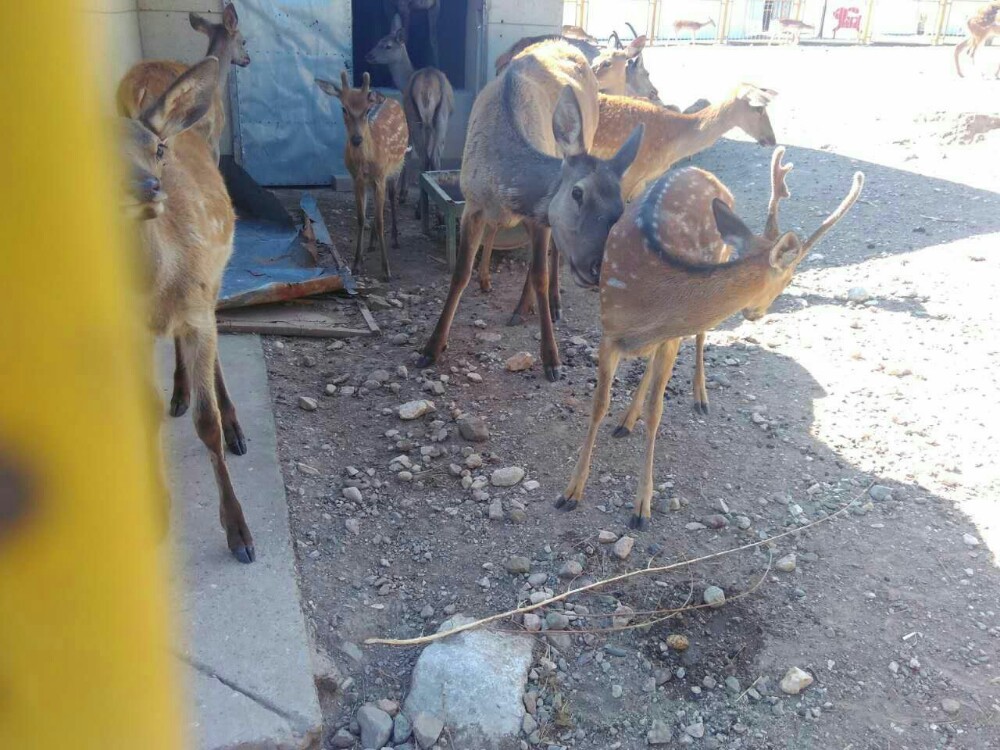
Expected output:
(894, 607)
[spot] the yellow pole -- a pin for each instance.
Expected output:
(84, 655)
(866, 34)
(944, 9)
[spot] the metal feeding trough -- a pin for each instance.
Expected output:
(441, 189)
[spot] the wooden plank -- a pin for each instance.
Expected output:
(288, 320)
(369, 319)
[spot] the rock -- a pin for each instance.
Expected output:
(426, 729)
(415, 409)
(557, 621)
(507, 476)
(353, 525)
(528, 724)
(570, 569)
(880, 493)
(520, 361)
(795, 681)
(495, 511)
(347, 390)
(786, 564)
(353, 494)
(309, 471)
(342, 739)
(617, 691)
(531, 485)
(517, 516)
(623, 547)
(388, 705)
(858, 295)
(532, 622)
(696, 730)
(743, 522)
(330, 390)
(474, 377)
(308, 404)
(970, 540)
(951, 706)
(607, 537)
(380, 376)
(714, 597)
(678, 642)
(622, 616)
(402, 728)
(427, 612)
(659, 733)
(518, 565)
(473, 429)
(732, 684)
(473, 682)
(376, 725)
(538, 579)
(716, 521)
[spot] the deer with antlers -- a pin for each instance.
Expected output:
(377, 138)
(982, 25)
(620, 71)
(692, 27)
(526, 159)
(660, 283)
(186, 224)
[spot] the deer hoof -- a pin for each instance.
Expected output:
(235, 440)
(621, 431)
(553, 373)
(701, 407)
(179, 403)
(564, 503)
(516, 319)
(638, 523)
(556, 313)
(426, 360)
(245, 553)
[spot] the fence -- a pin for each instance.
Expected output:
(860, 21)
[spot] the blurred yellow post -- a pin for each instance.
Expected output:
(84, 622)
(866, 31)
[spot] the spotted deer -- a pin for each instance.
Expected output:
(377, 138)
(527, 159)
(661, 282)
(186, 224)
(983, 25)
(790, 27)
(147, 80)
(692, 27)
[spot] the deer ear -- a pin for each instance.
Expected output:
(229, 18)
(396, 24)
(635, 47)
(401, 36)
(331, 89)
(567, 124)
(198, 23)
(786, 251)
(185, 102)
(622, 160)
(731, 228)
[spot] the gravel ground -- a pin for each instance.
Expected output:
(876, 367)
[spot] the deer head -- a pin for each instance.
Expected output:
(147, 140)
(224, 36)
(356, 104)
(751, 113)
(391, 48)
(610, 66)
(586, 201)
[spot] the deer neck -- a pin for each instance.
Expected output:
(221, 47)
(401, 70)
(696, 132)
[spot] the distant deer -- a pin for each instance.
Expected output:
(186, 226)
(790, 27)
(405, 7)
(656, 288)
(376, 146)
(526, 159)
(147, 80)
(428, 99)
(692, 27)
(982, 26)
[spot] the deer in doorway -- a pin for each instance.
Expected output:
(186, 224)
(405, 7)
(692, 27)
(656, 288)
(982, 26)
(526, 159)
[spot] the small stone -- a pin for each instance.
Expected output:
(402, 728)
(951, 706)
(308, 404)
(343, 739)
(352, 493)
(743, 522)
(795, 681)
(970, 540)
(507, 476)
(537, 579)
(473, 429)
(556, 621)
(473, 461)
(520, 361)
(616, 691)
(570, 569)
(678, 642)
(388, 705)
(858, 295)
(880, 493)
(380, 376)
(622, 616)
(353, 525)
(427, 612)
(376, 726)
(716, 521)
(531, 485)
(532, 622)
(415, 409)
(309, 471)
(518, 565)
(732, 684)
(528, 724)
(517, 516)
(474, 377)
(708, 682)
(426, 729)
(714, 597)
(607, 537)
(674, 503)
(330, 390)
(495, 511)
(696, 730)
(786, 564)
(659, 733)
(623, 547)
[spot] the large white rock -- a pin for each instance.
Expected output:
(473, 682)
(795, 681)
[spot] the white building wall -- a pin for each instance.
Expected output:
(112, 28)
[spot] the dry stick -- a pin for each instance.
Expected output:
(597, 584)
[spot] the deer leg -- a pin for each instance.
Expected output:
(663, 365)
(378, 227)
(470, 235)
(607, 364)
(391, 187)
(432, 24)
(231, 429)
(539, 274)
(961, 47)
(638, 398)
(524, 305)
(555, 298)
(180, 399)
(484, 261)
(200, 351)
(359, 209)
(700, 391)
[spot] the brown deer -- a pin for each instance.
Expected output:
(982, 26)
(428, 99)
(404, 7)
(526, 159)
(147, 80)
(620, 72)
(690, 26)
(791, 27)
(656, 288)
(186, 226)
(377, 138)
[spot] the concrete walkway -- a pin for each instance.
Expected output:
(244, 648)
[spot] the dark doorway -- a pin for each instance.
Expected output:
(371, 24)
